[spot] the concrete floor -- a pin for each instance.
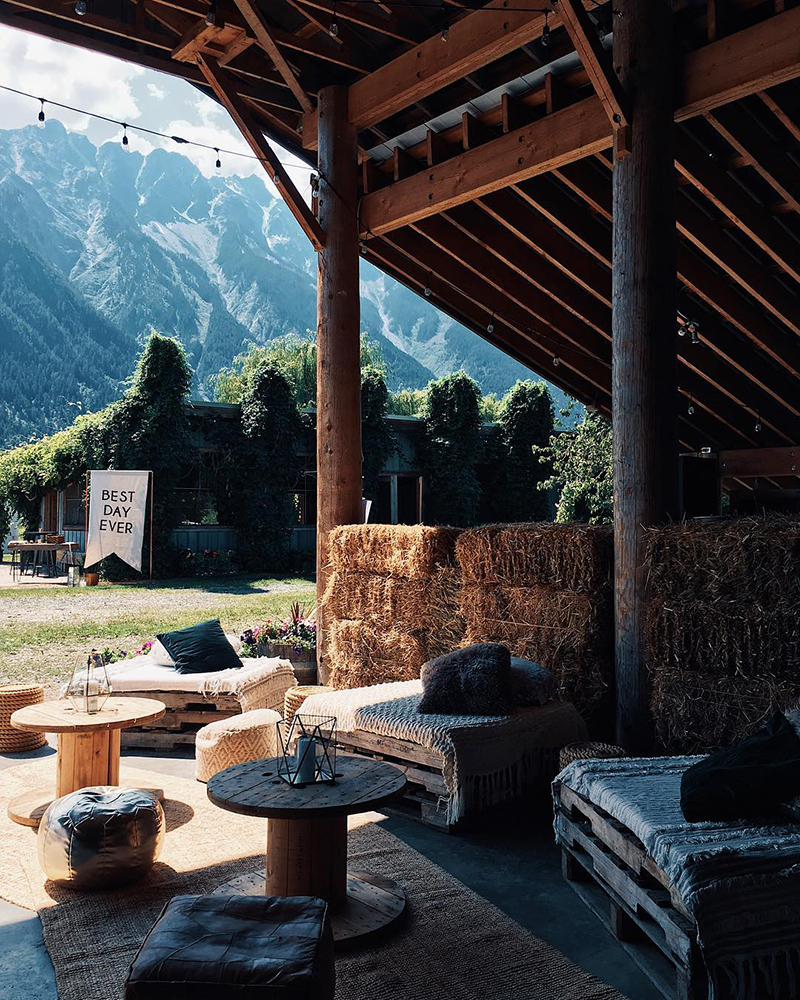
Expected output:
(513, 863)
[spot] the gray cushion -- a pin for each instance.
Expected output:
(475, 680)
(531, 684)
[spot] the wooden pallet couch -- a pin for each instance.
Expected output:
(194, 700)
(455, 764)
(703, 908)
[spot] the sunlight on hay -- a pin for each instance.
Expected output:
(412, 551)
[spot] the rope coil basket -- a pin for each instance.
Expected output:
(12, 697)
(587, 751)
(294, 698)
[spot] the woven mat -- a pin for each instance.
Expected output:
(454, 946)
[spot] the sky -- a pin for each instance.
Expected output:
(125, 92)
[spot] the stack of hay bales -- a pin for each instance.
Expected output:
(391, 602)
(723, 628)
(544, 590)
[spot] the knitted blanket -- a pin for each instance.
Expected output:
(262, 685)
(488, 759)
(740, 881)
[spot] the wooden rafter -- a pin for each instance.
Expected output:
(472, 42)
(560, 138)
(392, 26)
(242, 116)
(596, 61)
(265, 39)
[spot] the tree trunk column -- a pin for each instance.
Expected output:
(338, 337)
(644, 370)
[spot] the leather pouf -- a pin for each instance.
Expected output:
(98, 838)
(249, 736)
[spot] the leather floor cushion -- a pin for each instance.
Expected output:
(248, 947)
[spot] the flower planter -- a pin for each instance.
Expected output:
(92, 579)
(304, 663)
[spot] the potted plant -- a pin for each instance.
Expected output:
(294, 638)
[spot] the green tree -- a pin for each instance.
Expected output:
(408, 402)
(526, 419)
(581, 464)
(377, 440)
(259, 466)
(450, 448)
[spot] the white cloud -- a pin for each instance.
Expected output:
(63, 73)
(155, 91)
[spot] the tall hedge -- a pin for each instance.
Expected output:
(450, 448)
(526, 420)
(377, 440)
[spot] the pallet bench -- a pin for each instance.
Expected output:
(186, 713)
(612, 873)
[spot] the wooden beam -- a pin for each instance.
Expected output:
(338, 339)
(581, 29)
(391, 26)
(264, 37)
(577, 131)
(761, 462)
(472, 42)
(644, 370)
(223, 87)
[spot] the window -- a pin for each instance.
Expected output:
(75, 506)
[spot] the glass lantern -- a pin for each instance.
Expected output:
(89, 687)
(307, 750)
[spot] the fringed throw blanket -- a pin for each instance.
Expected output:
(740, 882)
(260, 683)
(487, 759)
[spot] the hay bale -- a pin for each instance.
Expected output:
(362, 654)
(411, 551)
(725, 638)
(392, 600)
(575, 557)
(696, 712)
(567, 632)
(747, 558)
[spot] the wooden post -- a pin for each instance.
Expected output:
(338, 338)
(644, 370)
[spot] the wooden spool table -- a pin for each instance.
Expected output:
(88, 747)
(307, 839)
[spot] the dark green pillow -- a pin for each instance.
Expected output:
(200, 649)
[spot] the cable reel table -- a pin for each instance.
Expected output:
(88, 747)
(307, 839)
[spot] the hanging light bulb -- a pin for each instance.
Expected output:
(690, 407)
(490, 324)
(125, 145)
(333, 30)
(41, 114)
(218, 163)
(556, 359)
(80, 8)
(427, 288)
(694, 332)
(757, 427)
(362, 247)
(546, 31)
(211, 14)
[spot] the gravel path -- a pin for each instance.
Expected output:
(102, 604)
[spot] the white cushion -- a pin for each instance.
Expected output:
(159, 655)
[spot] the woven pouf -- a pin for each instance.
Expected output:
(587, 751)
(295, 696)
(11, 698)
(249, 736)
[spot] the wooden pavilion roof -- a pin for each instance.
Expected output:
(486, 167)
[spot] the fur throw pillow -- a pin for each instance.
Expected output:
(475, 680)
(531, 684)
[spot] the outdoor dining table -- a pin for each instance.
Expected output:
(44, 555)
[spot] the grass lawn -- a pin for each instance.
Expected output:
(42, 629)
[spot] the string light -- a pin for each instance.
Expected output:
(333, 30)
(690, 407)
(546, 31)
(40, 116)
(757, 427)
(218, 163)
(362, 247)
(427, 288)
(556, 358)
(124, 136)
(211, 14)
(80, 8)
(490, 324)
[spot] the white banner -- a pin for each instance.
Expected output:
(117, 502)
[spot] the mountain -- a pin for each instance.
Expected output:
(101, 245)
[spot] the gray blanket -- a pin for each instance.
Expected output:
(740, 881)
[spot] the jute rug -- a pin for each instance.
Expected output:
(454, 946)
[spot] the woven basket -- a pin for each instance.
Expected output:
(587, 751)
(295, 697)
(11, 698)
